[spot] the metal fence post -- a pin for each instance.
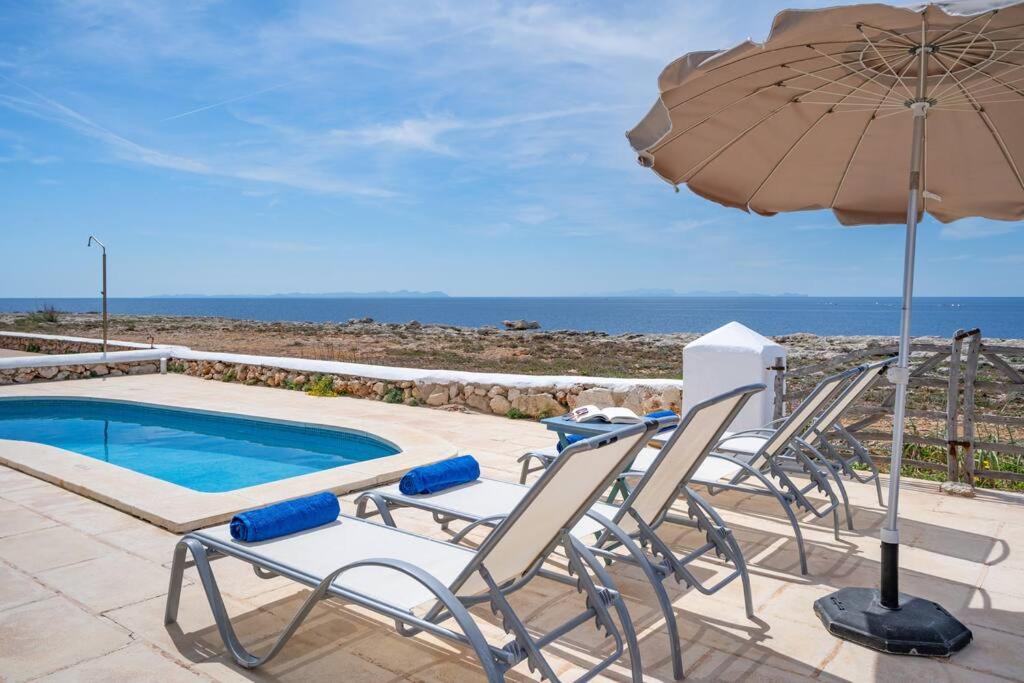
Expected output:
(970, 376)
(779, 387)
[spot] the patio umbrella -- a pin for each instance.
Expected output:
(846, 109)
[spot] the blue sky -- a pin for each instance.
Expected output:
(475, 148)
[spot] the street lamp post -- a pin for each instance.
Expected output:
(104, 290)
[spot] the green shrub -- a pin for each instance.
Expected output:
(516, 414)
(228, 376)
(47, 314)
(393, 395)
(321, 386)
(175, 366)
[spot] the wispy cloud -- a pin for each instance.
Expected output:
(976, 228)
(222, 103)
(43, 107)
(424, 133)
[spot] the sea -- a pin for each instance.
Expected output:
(932, 316)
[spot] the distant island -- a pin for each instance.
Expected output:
(693, 293)
(399, 294)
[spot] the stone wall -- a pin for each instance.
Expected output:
(534, 402)
(55, 373)
(52, 346)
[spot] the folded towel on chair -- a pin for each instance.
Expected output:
(285, 518)
(569, 440)
(440, 475)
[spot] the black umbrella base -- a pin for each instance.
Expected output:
(919, 627)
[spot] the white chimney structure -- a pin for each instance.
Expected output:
(729, 357)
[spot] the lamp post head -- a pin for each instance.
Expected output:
(92, 238)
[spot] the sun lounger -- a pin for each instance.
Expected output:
(626, 533)
(425, 584)
(760, 461)
(761, 466)
(829, 426)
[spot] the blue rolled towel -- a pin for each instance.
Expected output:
(439, 476)
(569, 440)
(281, 519)
(663, 413)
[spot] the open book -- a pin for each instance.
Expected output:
(613, 415)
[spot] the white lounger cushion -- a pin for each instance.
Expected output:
(741, 444)
(711, 470)
(489, 497)
(320, 551)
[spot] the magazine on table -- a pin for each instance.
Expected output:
(612, 415)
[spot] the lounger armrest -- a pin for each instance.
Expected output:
(483, 521)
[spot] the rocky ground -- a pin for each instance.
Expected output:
(426, 346)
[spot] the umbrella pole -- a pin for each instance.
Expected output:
(884, 619)
(900, 375)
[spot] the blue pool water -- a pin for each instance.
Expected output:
(201, 451)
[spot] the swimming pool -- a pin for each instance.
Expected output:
(206, 452)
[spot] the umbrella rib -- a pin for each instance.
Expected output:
(991, 60)
(993, 131)
(700, 165)
(995, 79)
(694, 170)
(778, 49)
(668, 140)
(909, 42)
(991, 13)
(757, 71)
(856, 148)
(854, 70)
(974, 38)
(887, 65)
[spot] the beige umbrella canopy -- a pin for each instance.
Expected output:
(816, 117)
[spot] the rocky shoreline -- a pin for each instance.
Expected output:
(446, 347)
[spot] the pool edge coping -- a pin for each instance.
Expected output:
(179, 509)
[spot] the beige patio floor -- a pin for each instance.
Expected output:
(82, 585)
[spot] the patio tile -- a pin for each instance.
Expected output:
(17, 589)
(48, 635)
(19, 520)
(147, 541)
(49, 548)
(993, 652)
(108, 582)
(194, 637)
(95, 518)
(137, 663)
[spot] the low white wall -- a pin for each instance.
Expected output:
(502, 394)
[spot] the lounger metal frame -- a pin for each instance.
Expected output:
(829, 426)
(644, 548)
(601, 596)
(771, 465)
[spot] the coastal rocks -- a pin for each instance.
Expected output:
(598, 396)
(499, 405)
(56, 373)
(47, 373)
(537, 405)
(957, 488)
(521, 324)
